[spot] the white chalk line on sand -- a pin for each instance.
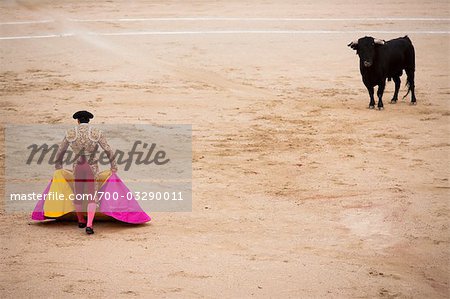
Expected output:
(257, 19)
(27, 22)
(401, 19)
(212, 32)
(36, 36)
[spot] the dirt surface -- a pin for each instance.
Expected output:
(299, 190)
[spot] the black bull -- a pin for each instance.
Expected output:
(380, 60)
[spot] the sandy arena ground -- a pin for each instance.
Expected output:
(299, 190)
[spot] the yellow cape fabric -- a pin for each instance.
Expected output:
(59, 200)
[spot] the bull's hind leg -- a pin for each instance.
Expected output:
(397, 88)
(410, 80)
(372, 100)
(380, 92)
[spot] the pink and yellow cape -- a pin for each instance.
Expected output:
(124, 207)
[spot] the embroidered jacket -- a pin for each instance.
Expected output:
(84, 140)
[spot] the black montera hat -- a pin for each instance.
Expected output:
(83, 114)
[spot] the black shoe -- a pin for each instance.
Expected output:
(81, 224)
(89, 230)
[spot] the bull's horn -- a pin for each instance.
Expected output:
(353, 43)
(379, 41)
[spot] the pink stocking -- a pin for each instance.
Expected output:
(91, 213)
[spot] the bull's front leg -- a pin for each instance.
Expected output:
(380, 94)
(372, 100)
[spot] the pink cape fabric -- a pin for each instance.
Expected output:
(123, 209)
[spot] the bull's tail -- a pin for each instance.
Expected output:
(408, 84)
(411, 62)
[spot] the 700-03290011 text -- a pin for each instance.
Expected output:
(141, 195)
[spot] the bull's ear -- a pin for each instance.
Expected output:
(353, 45)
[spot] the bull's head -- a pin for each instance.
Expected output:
(365, 48)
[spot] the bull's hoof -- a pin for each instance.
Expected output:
(381, 108)
(371, 106)
(393, 101)
(413, 103)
